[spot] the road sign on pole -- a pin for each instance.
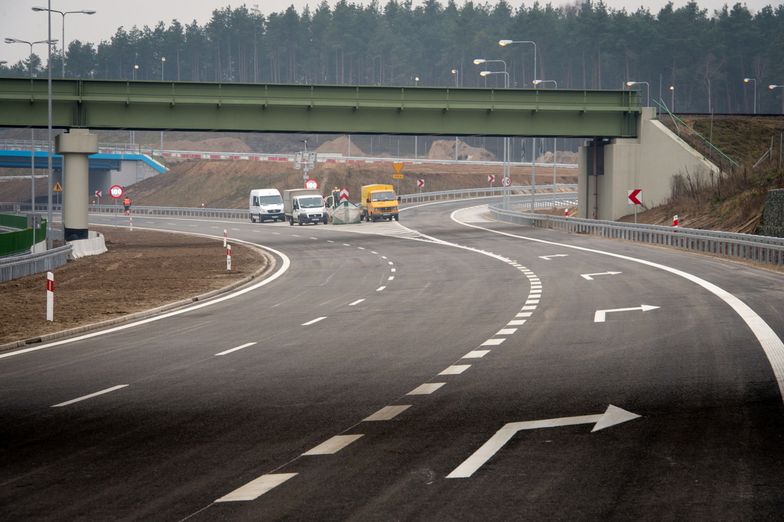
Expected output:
(398, 166)
(98, 194)
(420, 183)
(343, 195)
(491, 179)
(507, 182)
(635, 198)
(116, 191)
(311, 184)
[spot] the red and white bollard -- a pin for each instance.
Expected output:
(566, 212)
(228, 257)
(130, 222)
(49, 296)
(675, 220)
(225, 237)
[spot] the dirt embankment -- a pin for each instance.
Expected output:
(141, 270)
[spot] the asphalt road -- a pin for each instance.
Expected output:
(391, 372)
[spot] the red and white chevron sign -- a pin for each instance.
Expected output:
(491, 179)
(635, 196)
(420, 183)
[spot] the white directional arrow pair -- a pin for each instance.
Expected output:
(611, 417)
(601, 315)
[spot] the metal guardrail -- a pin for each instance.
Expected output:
(22, 266)
(481, 192)
(759, 249)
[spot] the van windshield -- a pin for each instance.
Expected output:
(270, 200)
(311, 202)
(387, 195)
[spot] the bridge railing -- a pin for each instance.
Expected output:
(483, 192)
(749, 247)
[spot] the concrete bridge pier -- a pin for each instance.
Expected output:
(75, 146)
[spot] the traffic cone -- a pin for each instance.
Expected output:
(675, 220)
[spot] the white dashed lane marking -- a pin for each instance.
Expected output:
(516, 322)
(387, 413)
(240, 347)
(426, 389)
(355, 303)
(476, 354)
(314, 321)
(506, 331)
(257, 487)
(380, 288)
(333, 445)
(455, 369)
(90, 396)
(493, 342)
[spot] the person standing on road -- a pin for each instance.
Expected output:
(127, 205)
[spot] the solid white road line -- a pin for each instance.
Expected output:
(426, 389)
(235, 349)
(333, 445)
(257, 487)
(380, 288)
(516, 322)
(506, 331)
(90, 396)
(492, 342)
(387, 413)
(314, 321)
(355, 303)
(455, 369)
(476, 354)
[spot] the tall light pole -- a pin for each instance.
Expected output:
(63, 13)
(504, 43)
(163, 64)
(506, 169)
(672, 98)
(754, 81)
(416, 145)
(555, 140)
(648, 90)
(456, 73)
(133, 72)
(32, 130)
(774, 86)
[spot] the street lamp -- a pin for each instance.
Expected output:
(416, 145)
(416, 81)
(754, 81)
(63, 13)
(456, 72)
(774, 86)
(135, 68)
(163, 64)
(504, 43)
(506, 169)
(672, 98)
(32, 130)
(648, 90)
(537, 82)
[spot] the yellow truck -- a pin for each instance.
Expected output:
(379, 202)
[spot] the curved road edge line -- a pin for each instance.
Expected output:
(770, 342)
(278, 273)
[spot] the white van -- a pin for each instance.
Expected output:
(265, 204)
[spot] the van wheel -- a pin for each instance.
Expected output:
(291, 221)
(397, 217)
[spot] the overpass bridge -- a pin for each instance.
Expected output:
(606, 117)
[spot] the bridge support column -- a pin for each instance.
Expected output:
(75, 146)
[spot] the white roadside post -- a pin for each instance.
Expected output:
(130, 221)
(228, 257)
(49, 296)
(225, 237)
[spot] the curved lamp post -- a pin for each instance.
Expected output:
(504, 43)
(63, 13)
(648, 90)
(774, 86)
(754, 81)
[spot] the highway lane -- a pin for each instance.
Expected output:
(201, 426)
(185, 401)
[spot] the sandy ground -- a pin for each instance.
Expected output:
(141, 270)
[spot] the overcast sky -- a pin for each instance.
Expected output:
(17, 20)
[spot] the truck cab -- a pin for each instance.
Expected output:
(304, 206)
(379, 201)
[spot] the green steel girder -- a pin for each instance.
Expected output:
(146, 105)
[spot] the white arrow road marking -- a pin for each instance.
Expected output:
(600, 315)
(256, 487)
(333, 445)
(589, 277)
(612, 416)
(548, 258)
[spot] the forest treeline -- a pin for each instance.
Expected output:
(703, 55)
